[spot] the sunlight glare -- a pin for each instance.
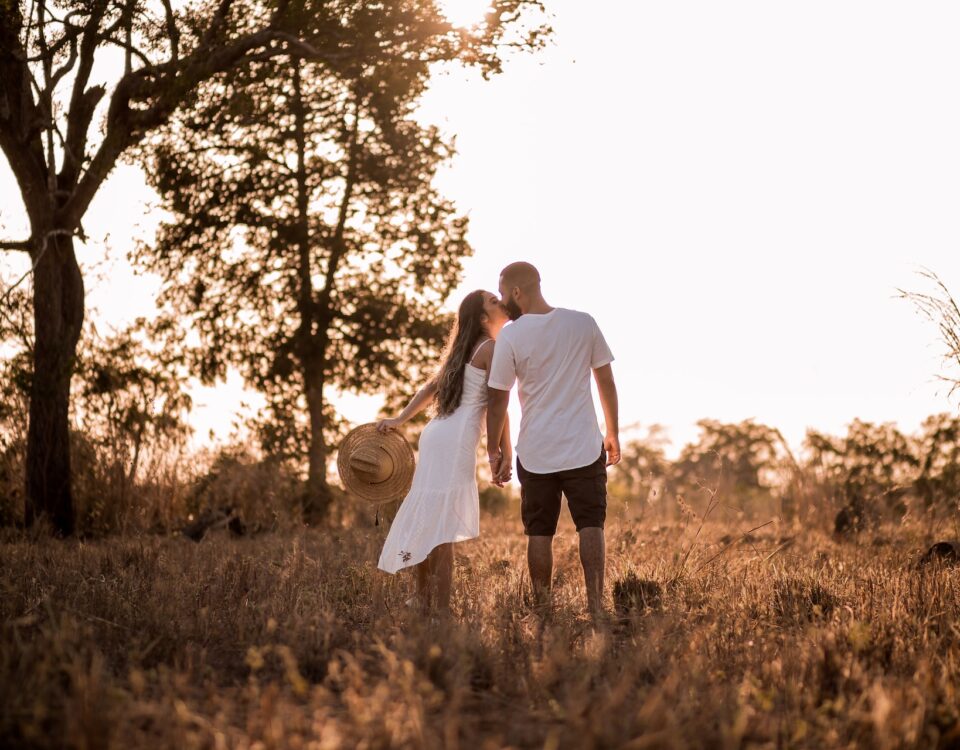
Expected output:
(464, 12)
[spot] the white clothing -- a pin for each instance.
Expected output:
(443, 504)
(552, 355)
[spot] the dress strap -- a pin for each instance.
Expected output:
(477, 349)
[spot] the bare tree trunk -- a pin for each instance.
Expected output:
(58, 317)
(318, 497)
(312, 333)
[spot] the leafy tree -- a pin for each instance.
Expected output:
(51, 98)
(130, 400)
(644, 470)
(308, 246)
(739, 461)
(940, 308)
(128, 404)
(48, 55)
(16, 340)
(938, 452)
(871, 461)
(939, 478)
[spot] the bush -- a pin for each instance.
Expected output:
(264, 492)
(494, 500)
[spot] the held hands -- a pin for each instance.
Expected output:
(611, 444)
(506, 469)
(385, 425)
(501, 469)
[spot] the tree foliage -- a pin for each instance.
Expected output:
(644, 470)
(129, 409)
(938, 461)
(873, 471)
(63, 129)
(869, 461)
(739, 461)
(308, 246)
(230, 257)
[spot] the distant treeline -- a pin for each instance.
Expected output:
(133, 470)
(873, 472)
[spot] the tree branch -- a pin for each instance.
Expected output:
(19, 116)
(165, 84)
(70, 34)
(46, 96)
(60, 72)
(173, 33)
(83, 101)
(339, 246)
(24, 245)
(216, 23)
(131, 51)
(44, 243)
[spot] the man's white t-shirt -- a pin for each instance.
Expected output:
(552, 356)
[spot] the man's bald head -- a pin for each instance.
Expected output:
(520, 274)
(520, 288)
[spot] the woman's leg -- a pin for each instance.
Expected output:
(443, 575)
(434, 578)
(423, 576)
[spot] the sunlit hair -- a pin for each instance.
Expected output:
(463, 340)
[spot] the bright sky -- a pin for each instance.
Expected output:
(733, 190)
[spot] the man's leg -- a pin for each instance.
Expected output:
(540, 564)
(592, 558)
(586, 491)
(540, 511)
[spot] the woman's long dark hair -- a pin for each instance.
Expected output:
(464, 337)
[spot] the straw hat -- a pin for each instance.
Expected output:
(376, 466)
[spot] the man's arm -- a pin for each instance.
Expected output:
(506, 453)
(611, 412)
(497, 401)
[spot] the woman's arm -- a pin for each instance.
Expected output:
(417, 404)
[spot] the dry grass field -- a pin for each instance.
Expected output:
(785, 639)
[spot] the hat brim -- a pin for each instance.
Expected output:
(397, 485)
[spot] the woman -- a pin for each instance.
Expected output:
(443, 505)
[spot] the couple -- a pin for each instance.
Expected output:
(551, 352)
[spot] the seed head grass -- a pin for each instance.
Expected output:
(295, 640)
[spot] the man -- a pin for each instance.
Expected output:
(551, 352)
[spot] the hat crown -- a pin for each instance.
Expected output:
(373, 465)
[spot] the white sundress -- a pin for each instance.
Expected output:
(443, 504)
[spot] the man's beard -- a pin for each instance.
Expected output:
(513, 309)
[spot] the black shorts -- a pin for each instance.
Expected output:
(585, 489)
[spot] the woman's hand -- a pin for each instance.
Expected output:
(385, 425)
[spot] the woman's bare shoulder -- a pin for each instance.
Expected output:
(483, 355)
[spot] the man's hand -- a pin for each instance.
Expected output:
(501, 468)
(496, 461)
(506, 470)
(611, 444)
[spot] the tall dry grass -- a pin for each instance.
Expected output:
(781, 639)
